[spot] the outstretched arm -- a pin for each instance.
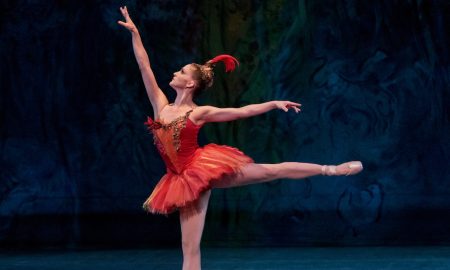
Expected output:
(155, 94)
(213, 114)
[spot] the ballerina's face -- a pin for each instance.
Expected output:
(183, 78)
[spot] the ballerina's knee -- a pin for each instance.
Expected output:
(190, 247)
(272, 172)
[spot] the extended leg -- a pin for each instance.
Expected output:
(192, 222)
(257, 173)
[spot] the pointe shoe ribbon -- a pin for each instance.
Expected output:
(328, 170)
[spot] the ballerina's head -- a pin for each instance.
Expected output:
(196, 78)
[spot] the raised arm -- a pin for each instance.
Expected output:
(213, 114)
(155, 94)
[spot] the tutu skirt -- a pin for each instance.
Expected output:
(209, 163)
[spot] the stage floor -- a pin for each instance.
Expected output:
(367, 258)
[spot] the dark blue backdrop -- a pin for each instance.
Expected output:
(76, 161)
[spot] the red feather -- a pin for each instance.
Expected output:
(229, 61)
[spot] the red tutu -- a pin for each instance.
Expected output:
(211, 162)
(190, 168)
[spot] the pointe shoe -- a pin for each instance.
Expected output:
(354, 168)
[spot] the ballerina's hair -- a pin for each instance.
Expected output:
(204, 73)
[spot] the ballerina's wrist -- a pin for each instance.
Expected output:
(134, 30)
(273, 104)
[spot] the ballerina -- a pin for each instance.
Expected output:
(192, 171)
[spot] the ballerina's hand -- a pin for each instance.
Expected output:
(285, 105)
(128, 24)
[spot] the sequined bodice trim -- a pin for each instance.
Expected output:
(176, 125)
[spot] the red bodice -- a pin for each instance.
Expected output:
(175, 141)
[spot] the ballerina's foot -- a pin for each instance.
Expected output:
(347, 168)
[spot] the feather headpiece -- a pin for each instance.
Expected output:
(229, 61)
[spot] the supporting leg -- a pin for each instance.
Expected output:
(192, 223)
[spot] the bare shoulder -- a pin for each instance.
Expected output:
(197, 115)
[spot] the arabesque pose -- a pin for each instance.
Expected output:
(192, 171)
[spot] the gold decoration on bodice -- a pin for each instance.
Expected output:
(166, 137)
(175, 126)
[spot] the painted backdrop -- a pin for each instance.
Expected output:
(76, 161)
